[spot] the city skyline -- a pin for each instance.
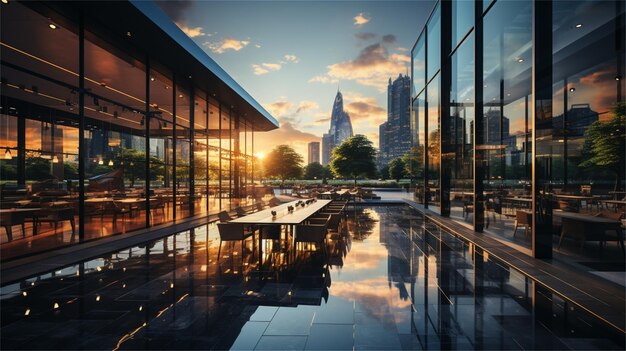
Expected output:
(282, 66)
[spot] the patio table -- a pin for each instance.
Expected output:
(283, 217)
(588, 228)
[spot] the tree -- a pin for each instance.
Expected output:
(414, 162)
(354, 157)
(283, 163)
(605, 143)
(384, 172)
(314, 171)
(396, 169)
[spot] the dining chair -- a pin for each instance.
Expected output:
(522, 218)
(224, 217)
(240, 211)
(234, 232)
(274, 202)
(260, 205)
(57, 215)
(312, 233)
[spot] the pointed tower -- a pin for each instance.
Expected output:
(340, 128)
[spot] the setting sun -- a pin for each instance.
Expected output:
(260, 155)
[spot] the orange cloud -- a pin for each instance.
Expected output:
(226, 44)
(191, 32)
(361, 19)
(287, 134)
(372, 67)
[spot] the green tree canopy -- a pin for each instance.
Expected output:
(355, 157)
(396, 169)
(283, 163)
(605, 143)
(384, 172)
(314, 170)
(414, 162)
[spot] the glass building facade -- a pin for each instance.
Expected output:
(518, 119)
(113, 126)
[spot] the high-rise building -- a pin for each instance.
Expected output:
(314, 152)
(340, 129)
(395, 134)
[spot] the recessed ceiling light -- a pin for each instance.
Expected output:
(190, 76)
(617, 78)
(520, 60)
(5, 1)
(52, 26)
(180, 95)
(152, 79)
(578, 25)
(572, 89)
(129, 34)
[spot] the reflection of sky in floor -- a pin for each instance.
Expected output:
(390, 281)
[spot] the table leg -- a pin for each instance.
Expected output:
(260, 246)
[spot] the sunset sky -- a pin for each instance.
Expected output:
(292, 56)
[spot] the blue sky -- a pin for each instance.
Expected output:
(291, 56)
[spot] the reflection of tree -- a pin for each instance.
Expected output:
(433, 145)
(38, 168)
(414, 162)
(8, 171)
(133, 162)
(363, 224)
(397, 169)
(605, 143)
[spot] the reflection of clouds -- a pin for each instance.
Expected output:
(374, 295)
(363, 257)
(597, 89)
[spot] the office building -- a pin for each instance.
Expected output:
(340, 129)
(395, 133)
(314, 152)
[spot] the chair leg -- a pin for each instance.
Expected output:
(23, 230)
(526, 231)
(219, 250)
(9, 232)
(515, 229)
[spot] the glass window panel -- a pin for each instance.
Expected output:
(182, 106)
(161, 95)
(462, 19)
(114, 75)
(433, 144)
(29, 42)
(434, 43)
(419, 66)
(507, 88)
(461, 134)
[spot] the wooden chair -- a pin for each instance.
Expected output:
(57, 215)
(523, 218)
(240, 211)
(224, 217)
(9, 220)
(233, 232)
(312, 233)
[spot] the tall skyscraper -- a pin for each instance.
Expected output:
(395, 134)
(314, 152)
(340, 129)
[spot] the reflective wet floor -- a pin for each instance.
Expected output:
(389, 280)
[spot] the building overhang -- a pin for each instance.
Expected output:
(142, 28)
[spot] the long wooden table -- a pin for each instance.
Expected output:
(591, 228)
(283, 217)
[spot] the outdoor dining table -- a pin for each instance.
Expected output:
(328, 194)
(592, 227)
(616, 203)
(283, 217)
(9, 216)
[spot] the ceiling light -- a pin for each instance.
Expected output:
(5, 1)
(55, 159)
(52, 26)
(110, 162)
(7, 154)
(190, 76)
(520, 60)
(572, 89)
(180, 96)
(617, 78)
(100, 162)
(152, 79)
(129, 34)
(578, 25)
